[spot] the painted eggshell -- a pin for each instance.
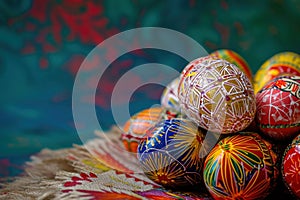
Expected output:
(136, 127)
(235, 59)
(291, 167)
(278, 108)
(171, 156)
(279, 64)
(240, 167)
(169, 97)
(275, 151)
(216, 95)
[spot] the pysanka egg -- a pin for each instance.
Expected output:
(216, 95)
(169, 97)
(291, 167)
(171, 154)
(280, 64)
(136, 127)
(240, 167)
(278, 108)
(235, 59)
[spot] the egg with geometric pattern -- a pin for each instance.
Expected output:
(235, 59)
(241, 166)
(216, 95)
(291, 167)
(171, 155)
(278, 108)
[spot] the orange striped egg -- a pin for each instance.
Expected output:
(135, 128)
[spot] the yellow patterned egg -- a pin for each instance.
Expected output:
(285, 63)
(217, 95)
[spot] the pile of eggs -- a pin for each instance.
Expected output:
(222, 129)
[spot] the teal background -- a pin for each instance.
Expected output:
(42, 44)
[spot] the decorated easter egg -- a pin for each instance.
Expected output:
(235, 59)
(275, 151)
(136, 127)
(171, 155)
(280, 64)
(278, 108)
(216, 95)
(290, 167)
(240, 166)
(169, 97)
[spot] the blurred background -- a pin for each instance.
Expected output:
(43, 43)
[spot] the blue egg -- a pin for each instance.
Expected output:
(171, 154)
